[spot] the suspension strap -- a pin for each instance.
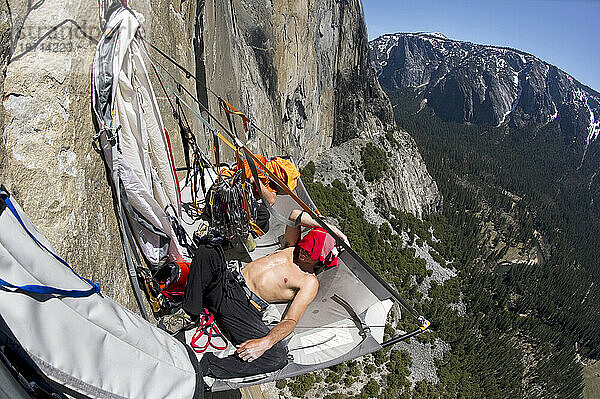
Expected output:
(231, 110)
(252, 125)
(44, 289)
(95, 287)
(173, 165)
(228, 116)
(128, 246)
(185, 134)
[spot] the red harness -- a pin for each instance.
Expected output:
(208, 327)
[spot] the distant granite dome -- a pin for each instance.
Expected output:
(467, 82)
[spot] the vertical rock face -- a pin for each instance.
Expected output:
(5, 45)
(48, 159)
(300, 70)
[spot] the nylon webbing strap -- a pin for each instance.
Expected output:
(41, 289)
(216, 150)
(185, 133)
(44, 289)
(3, 194)
(253, 225)
(357, 321)
(230, 109)
(228, 117)
(133, 276)
(168, 141)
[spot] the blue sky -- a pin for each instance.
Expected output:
(561, 32)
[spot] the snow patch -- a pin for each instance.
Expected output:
(516, 82)
(438, 35)
(523, 59)
(553, 116)
(504, 117)
(519, 92)
(594, 127)
(385, 44)
(501, 63)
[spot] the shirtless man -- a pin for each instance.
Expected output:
(284, 276)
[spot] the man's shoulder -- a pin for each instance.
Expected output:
(287, 251)
(309, 282)
(280, 254)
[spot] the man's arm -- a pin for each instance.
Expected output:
(292, 234)
(267, 194)
(254, 348)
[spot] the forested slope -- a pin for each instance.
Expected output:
(524, 187)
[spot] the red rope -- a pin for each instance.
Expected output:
(173, 164)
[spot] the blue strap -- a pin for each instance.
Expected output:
(42, 289)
